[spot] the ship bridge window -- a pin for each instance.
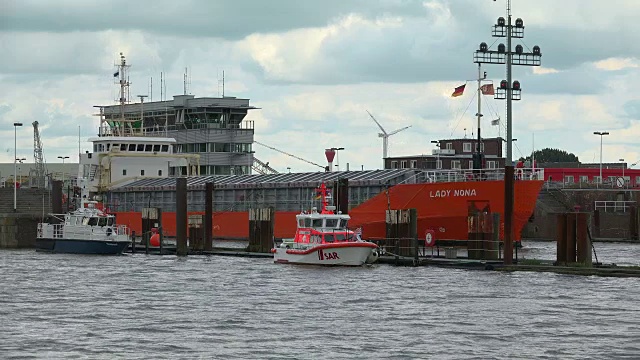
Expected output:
(317, 223)
(329, 238)
(123, 147)
(343, 223)
(102, 221)
(165, 148)
(132, 147)
(140, 147)
(110, 221)
(332, 223)
(340, 237)
(156, 148)
(108, 147)
(307, 222)
(93, 221)
(300, 222)
(148, 147)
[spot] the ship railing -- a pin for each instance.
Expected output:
(463, 175)
(161, 130)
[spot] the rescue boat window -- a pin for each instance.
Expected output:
(328, 238)
(332, 223)
(301, 222)
(85, 221)
(110, 221)
(102, 221)
(343, 223)
(307, 222)
(340, 237)
(317, 223)
(93, 221)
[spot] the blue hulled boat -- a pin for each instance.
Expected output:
(87, 230)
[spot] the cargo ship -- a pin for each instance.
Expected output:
(443, 205)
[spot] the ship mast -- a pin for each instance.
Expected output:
(124, 86)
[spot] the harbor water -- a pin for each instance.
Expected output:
(163, 307)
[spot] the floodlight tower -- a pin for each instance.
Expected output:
(510, 91)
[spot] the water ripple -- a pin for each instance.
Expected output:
(142, 307)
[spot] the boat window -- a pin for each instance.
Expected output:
(132, 147)
(328, 238)
(307, 222)
(110, 221)
(340, 237)
(140, 147)
(123, 147)
(165, 148)
(108, 147)
(85, 221)
(148, 147)
(93, 221)
(156, 148)
(332, 223)
(300, 222)
(317, 223)
(343, 223)
(102, 221)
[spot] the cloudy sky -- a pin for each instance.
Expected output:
(315, 68)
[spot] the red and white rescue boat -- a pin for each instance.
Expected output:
(322, 238)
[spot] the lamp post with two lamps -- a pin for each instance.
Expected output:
(15, 165)
(601, 134)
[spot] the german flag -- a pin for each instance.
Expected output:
(458, 91)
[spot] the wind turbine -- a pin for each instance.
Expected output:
(385, 137)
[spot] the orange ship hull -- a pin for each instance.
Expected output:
(441, 207)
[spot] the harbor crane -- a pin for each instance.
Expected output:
(38, 174)
(293, 156)
(262, 168)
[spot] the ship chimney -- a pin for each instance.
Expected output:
(330, 154)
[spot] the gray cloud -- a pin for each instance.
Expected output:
(193, 18)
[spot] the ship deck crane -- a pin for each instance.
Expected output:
(293, 156)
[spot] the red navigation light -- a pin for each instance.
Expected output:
(503, 84)
(516, 85)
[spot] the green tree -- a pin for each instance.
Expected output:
(549, 155)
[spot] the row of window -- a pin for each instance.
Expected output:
(213, 147)
(131, 147)
(455, 164)
(142, 172)
(466, 147)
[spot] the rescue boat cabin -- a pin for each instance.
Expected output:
(325, 226)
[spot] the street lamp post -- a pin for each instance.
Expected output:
(15, 165)
(64, 157)
(601, 133)
(437, 153)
